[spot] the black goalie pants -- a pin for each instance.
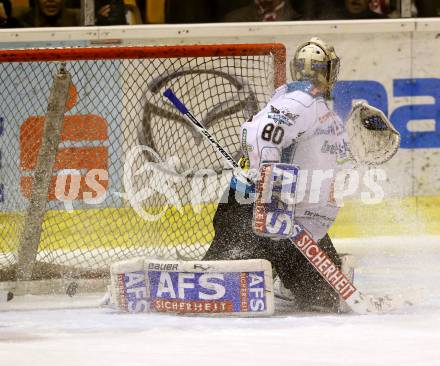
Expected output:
(234, 239)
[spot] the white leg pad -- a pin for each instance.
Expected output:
(242, 287)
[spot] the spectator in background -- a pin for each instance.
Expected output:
(345, 9)
(189, 11)
(263, 10)
(364, 9)
(110, 12)
(428, 8)
(323, 9)
(6, 19)
(50, 13)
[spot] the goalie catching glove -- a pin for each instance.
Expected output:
(373, 138)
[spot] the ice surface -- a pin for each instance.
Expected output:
(58, 330)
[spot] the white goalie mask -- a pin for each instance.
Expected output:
(372, 137)
(317, 62)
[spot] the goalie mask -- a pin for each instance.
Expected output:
(372, 137)
(317, 62)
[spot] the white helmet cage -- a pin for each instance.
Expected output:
(317, 62)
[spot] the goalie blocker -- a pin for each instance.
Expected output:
(274, 209)
(243, 287)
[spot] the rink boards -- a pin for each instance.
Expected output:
(107, 234)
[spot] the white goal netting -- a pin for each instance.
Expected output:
(131, 176)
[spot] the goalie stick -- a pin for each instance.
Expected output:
(195, 122)
(359, 303)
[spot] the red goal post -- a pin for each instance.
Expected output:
(114, 109)
(151, 52)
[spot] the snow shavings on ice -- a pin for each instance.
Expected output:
(58, 330)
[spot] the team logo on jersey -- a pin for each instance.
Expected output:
(247, 148)
(335, 128)
(327, 116)
(337, 148)
(340, 149)
(282, 117)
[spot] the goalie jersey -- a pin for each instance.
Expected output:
(297, 127)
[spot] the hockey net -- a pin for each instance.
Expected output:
(130, 176)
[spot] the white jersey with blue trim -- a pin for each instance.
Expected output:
(297, 127)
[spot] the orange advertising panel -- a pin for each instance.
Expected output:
(88, 158)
